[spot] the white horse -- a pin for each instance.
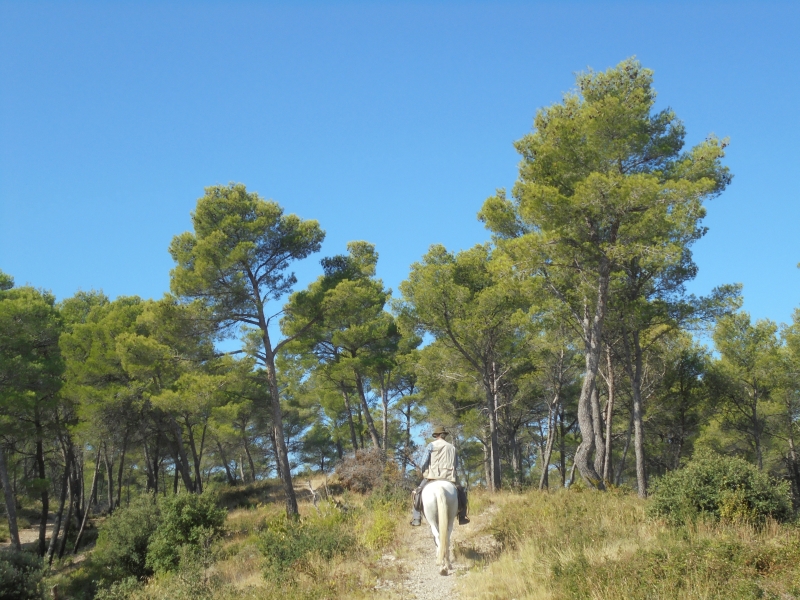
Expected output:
(440, 502)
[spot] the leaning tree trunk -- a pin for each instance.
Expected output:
(62, 500)
(73, 498)
(548, 448)
(373, 432)
(86, 509)
(181, 459)
(11, 504)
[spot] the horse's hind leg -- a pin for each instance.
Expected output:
(447, 550)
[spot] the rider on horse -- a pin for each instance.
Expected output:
(440, 462)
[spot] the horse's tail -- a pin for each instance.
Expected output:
(444, 524)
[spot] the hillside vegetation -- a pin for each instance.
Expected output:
(570, 544)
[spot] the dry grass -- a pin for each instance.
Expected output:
(587, 545)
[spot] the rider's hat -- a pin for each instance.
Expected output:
(439, 430)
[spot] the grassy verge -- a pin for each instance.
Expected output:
(578, 544)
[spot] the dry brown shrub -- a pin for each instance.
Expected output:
(362, 470)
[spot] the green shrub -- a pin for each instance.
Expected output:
(287, 545)
(120, 590)
(188, 522)
(123, 541)
(20, 576)
(721, 488)
(381, 531)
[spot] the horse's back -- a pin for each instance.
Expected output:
(431, 492)
(447, 487)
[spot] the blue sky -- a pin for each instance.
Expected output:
(386, 121)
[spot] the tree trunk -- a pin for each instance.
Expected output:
(44, 495)
(621, 466)
(373, 433)
(231, 478)
(339, 449)
(62, 500)
(609, 415)
(181, 460)
(593, 333)
(11, 503)
(487, 465)
(86, 510)
(250, 462)
(515, 466)
(274, 441)
(597, 422)
(544, 481)
(152, 479)
(198, 482)
(490, 382)
(73, 498)
(385, 403)
(562, 447)
(120, 468)
(633, 356)
(350, 420)
(282, 457)
(360, 425)
(109, 479)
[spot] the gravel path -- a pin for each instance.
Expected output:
(417, 562)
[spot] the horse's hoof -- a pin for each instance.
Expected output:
(443, 571)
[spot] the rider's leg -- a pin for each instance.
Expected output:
(462, 506)
(416, 509)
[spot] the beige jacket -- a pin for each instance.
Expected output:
(442, 465)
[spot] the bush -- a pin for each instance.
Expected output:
(381, 531)
(188, 522)
(20, 576)
(288, 545)
(721, 488)
(361, 471)
(123, 542)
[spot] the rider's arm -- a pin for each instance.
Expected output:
(426, 458)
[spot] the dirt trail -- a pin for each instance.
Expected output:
(414, 561)
(421, 580)
(29, 537)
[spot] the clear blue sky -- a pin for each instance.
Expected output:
(386, 121)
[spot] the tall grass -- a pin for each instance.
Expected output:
(579, 544)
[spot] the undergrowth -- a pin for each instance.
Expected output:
(579, 544)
